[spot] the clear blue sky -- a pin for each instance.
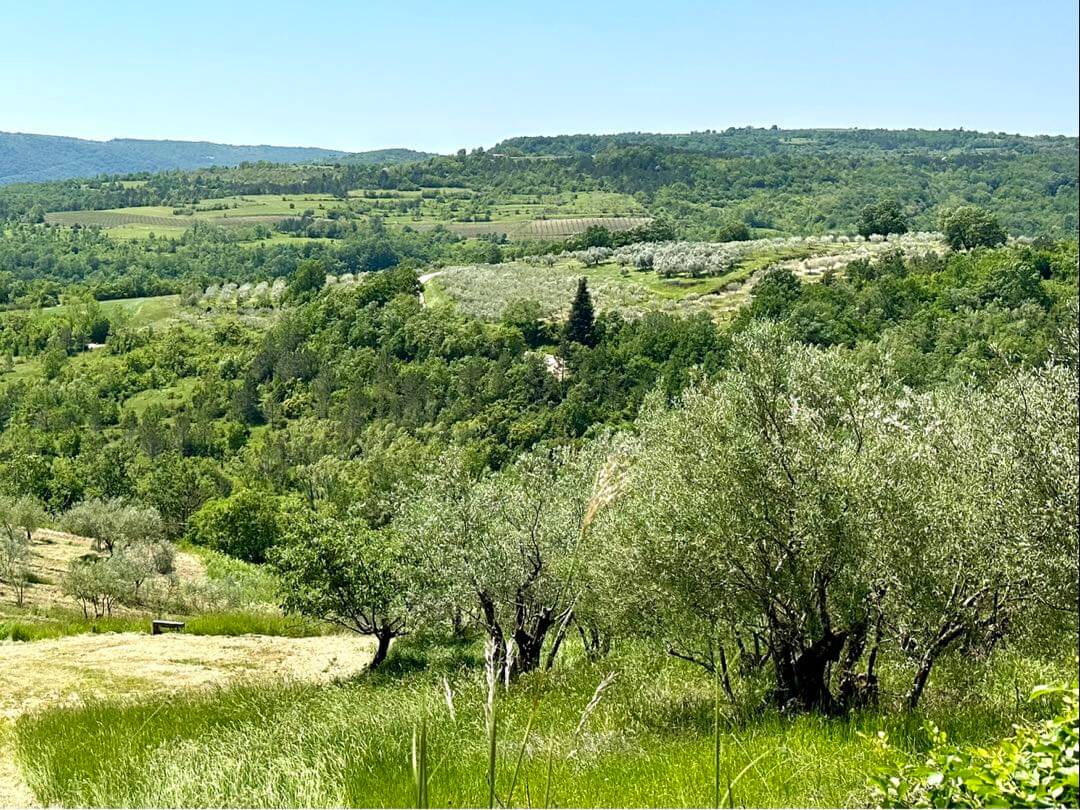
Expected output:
(364, 74)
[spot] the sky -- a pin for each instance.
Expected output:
(438, 76)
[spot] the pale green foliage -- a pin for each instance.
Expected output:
(507, 545)
(113, 522)
(134, 538)
(831, 514)
(19, 517)
(95, 584)
(976, 493)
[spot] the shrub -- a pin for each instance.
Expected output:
(1036, 767)
(244, 525)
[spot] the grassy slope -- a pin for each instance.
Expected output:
(649, 744)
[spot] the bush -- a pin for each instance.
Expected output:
(244, 525)
(1036, 767)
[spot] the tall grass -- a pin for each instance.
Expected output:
(58, 624)
(253, 584)
(651, 741)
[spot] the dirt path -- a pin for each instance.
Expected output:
(424, 279)
(67, 671)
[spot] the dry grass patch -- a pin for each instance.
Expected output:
(75, 669)
(53, 552)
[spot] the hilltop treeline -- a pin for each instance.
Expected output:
(793, 181)
(751, 141)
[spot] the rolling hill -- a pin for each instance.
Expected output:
(26, 158)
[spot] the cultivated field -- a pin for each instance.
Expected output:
(684, 284)
(536, 228)
(466, 213)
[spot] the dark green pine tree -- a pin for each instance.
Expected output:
(580, 324)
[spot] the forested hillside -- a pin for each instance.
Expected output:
(727, 468)
(795, 182)
(33, 158)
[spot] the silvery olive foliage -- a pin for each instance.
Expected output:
(697, 259)
(137, 552)
(19, 518)
(803, 515)
(509, 547)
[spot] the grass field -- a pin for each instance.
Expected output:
(649, 743)
(142, 311)
(539, 216)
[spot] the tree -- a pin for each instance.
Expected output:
(245, 525)
(969, 227)
(734, 230)
(528, 317)
(580, 325)
(508, 544)
(178, 485)
(94, 583)
(884, 217)
(815, 518)
(113, 523)
(341, 571)
(19, 517)
(774, 295)
(22, 515)
(978, 518)
(309, 278)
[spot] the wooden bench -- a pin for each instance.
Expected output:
(159, 626)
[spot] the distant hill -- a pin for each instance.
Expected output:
(759, 142)
(35, 158)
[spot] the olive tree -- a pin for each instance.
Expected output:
(19, 517)
(977, 504)
(114, 522)
(735, 528)
(95, 584)
(815, 516)
(132, 536)
(510, 544)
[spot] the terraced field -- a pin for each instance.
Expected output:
(465, 212)
(536, 228)
(117, 219)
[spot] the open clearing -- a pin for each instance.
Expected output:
(51, 554)
(75, 669)
(129, 666)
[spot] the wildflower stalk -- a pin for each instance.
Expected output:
(491, 672)
(521, 752)
(419, 764)
(716, 738)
